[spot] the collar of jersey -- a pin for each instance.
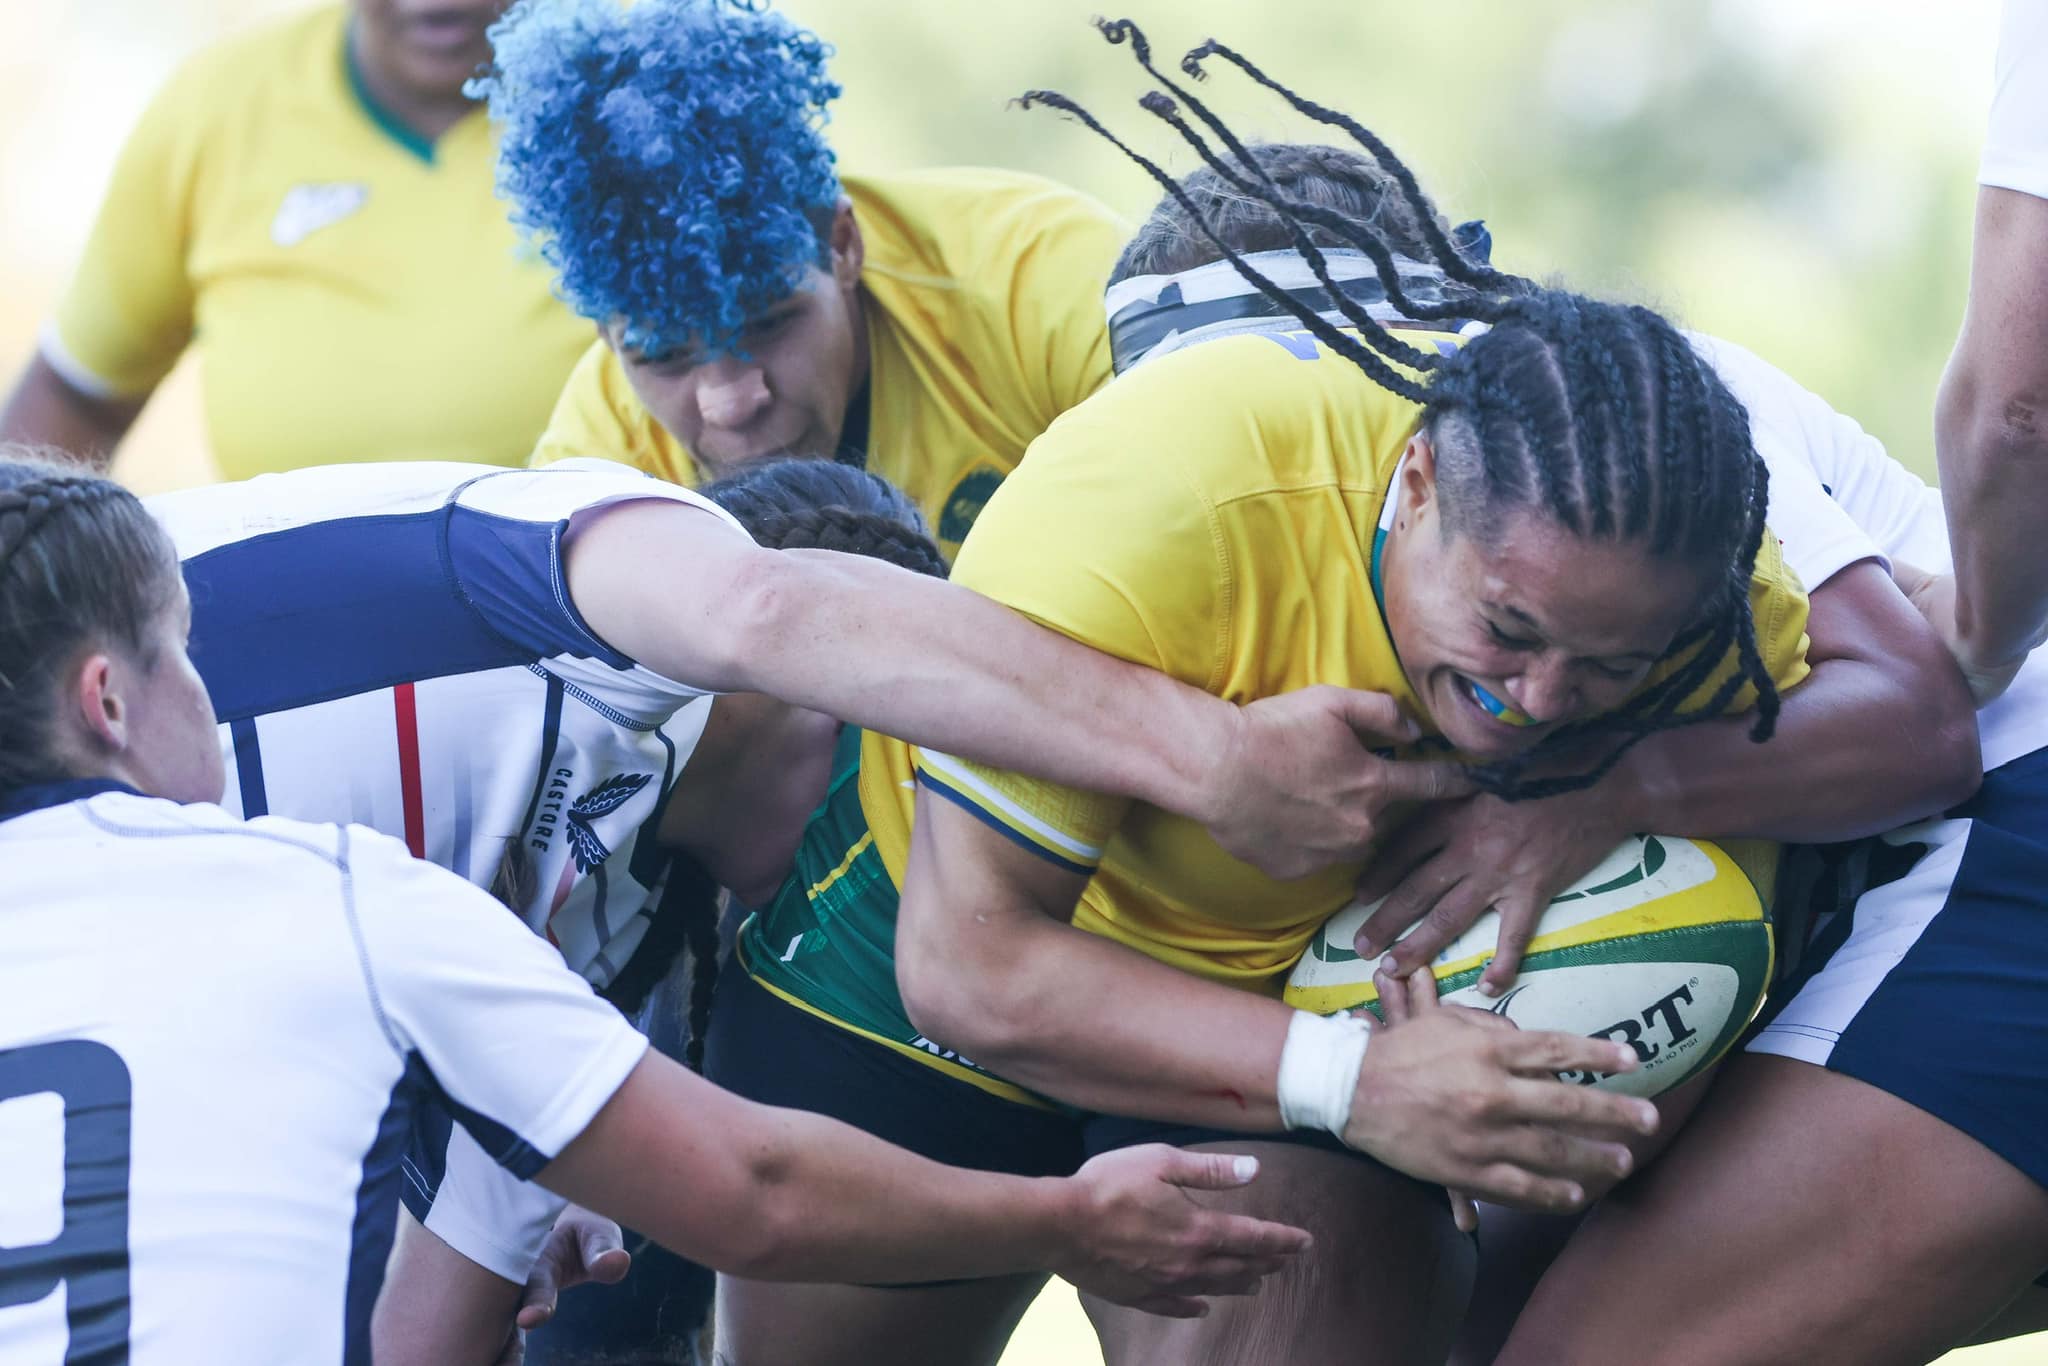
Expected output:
(1379, 543)
(20, 801)
(388, 123)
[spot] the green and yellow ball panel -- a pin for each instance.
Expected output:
(1665, 946)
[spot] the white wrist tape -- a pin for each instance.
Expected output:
(1319, 1070)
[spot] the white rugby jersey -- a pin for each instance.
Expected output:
(1837, 497)
(210, 1034)
(393, 645)
(2016, 143)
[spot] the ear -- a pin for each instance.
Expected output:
(1418, 478)
(849, 253)
(97, 707)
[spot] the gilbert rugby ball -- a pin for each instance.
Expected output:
(1665, 946)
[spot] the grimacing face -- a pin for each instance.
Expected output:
(428, 48)
(1557, 627)
(806, 357)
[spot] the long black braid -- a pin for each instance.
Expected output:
(1601, 413)
(785, 504)
(1119, 31)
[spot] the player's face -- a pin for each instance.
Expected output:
(1556, 628)
(805, 357)
(173, 746)
(426, 47)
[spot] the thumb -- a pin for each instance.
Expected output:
(605, 1258)
(1427, 780)
(1210, 1171)
(1374, 717)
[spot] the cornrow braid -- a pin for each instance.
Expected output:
(82, 565)
(1600, 413)
(784, 504)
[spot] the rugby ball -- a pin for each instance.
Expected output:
(1665, 946)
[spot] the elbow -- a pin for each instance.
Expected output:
(757, 601)
(1954, 759)
(771, 1243)
(962, 1006)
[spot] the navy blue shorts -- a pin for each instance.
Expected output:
(1931, 983)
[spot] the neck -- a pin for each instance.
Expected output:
(740, 806)
(427, 115)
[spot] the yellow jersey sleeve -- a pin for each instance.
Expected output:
(598, 414)
(1057, 326)
(1151, 587)
(129, 311)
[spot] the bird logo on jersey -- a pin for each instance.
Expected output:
(585, 848)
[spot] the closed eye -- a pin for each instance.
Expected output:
(1502, 638)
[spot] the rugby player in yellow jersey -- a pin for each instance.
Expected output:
(310, 207)
(670, 159)
(1237, 541)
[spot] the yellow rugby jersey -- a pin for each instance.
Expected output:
(354, 292)
(1211, 514)
(984, 323)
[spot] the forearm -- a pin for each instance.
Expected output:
(946, 668)
(1991, 432)
(438, 1308)
(1856, 752)
(1993, 449)
(775, 1194)
(1089, 1022)
(43, 410)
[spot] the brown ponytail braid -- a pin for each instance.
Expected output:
(82, 564)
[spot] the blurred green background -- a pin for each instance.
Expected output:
(1795, 176)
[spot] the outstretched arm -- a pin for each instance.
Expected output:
(1283, 783)
(785, 1195)
(1991, 439)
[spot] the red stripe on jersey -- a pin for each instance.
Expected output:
(407, 711)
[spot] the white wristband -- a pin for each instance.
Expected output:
(1319, 1070)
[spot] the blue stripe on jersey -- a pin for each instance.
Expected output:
(939, 787)
(249, 768)
(376, 1219)
(343, 607)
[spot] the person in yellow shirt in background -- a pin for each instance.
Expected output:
(671, 161)
(311, 207)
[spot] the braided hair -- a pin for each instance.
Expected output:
(785, 504)
(82, 566)
(1600, 413)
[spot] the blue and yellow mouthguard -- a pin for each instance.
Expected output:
(1499, 710)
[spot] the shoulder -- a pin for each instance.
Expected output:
(961, 222)
(1246, 411)
(203, 830)
(216, 83)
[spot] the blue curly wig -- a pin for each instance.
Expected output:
(668, 156)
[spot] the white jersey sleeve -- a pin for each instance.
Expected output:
(1801, 440)
(2016, 145)
(522, 1050)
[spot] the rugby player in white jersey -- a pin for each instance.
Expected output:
(485, 662)
(211, 1031)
